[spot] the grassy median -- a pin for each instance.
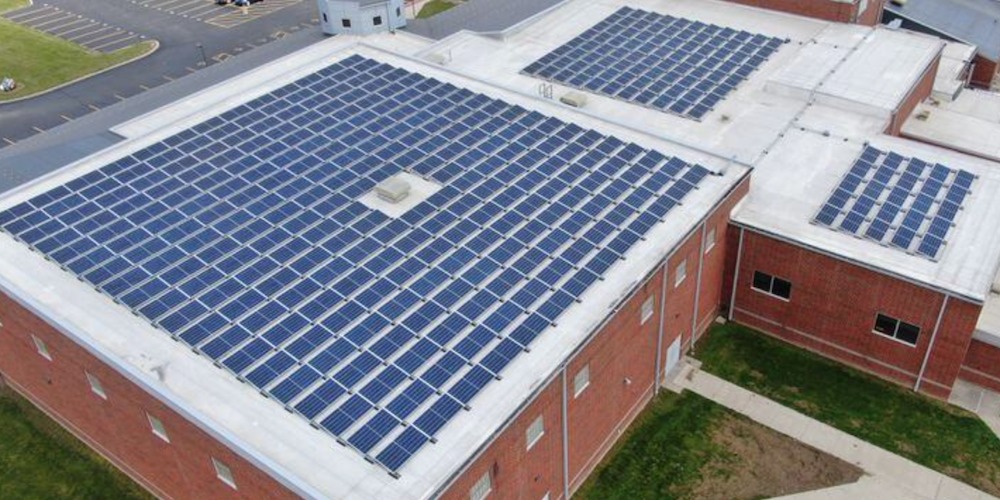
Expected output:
(935, 434)
(435, 7)
(38, 62)
(39, 459)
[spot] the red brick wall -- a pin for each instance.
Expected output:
(983, 71)
(622, 380)
(982, 365)
(922, 90)
(872, 15)
(820, 9)
(833, 307)
(118, 428)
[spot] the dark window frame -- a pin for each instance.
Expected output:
(772, 285)
(377, 20)
(896, 329)
(345, 23)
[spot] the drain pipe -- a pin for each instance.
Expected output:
(736, 278)
(697, 285)
(565, 434)
(659, 335)
(930, 346)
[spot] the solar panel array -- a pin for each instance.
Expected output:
(243, 237)
(659, 61)
(903, 202)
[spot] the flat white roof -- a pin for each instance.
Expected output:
(800, 145)
(792, 182)
(831, 83)
(970, 123)
(310, 461)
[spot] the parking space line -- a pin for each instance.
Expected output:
(38, 129)
(10, 142)
(89, 33)
(64, 117)
(29, 21)
(27, 17)
(59, 32)
(117, 41)
(90, 23)
(60, 19)
(28, 12)
(90, 43)
(93, 107)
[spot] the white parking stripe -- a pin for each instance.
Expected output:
(29, 13)
(114, 42)
(90, 24)
(60, 31)
(102, 28)
(53, 22)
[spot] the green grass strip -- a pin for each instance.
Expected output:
(930, 432)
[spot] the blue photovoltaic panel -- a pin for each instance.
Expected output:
(243, 237)
(666, 63)
(904, 202)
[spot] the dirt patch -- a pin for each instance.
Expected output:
(761, 463)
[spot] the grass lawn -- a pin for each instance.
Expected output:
(38, 459)
(932, 433)
(431, 8)
(38, 61)
(6, 5)
(688, 447)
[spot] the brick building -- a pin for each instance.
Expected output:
(234, 302)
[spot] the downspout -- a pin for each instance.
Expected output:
(736, 277)
(659, 335)
(930, 347)
(697, 285)
(565, 434)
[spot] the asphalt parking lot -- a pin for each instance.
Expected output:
(69, 26)
(208, 11)
(186, 45)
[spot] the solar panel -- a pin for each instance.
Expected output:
(243, 237)
(893, 200)
(658, 61)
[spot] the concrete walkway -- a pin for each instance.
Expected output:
(888, 475)
(978, 400)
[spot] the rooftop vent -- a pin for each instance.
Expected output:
(575, 99)
(392, 190)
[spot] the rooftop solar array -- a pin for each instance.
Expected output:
(662, 62)
(902, 202)
(243, 237)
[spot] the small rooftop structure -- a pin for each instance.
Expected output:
(975, 22)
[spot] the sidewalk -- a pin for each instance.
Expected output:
(888, 475)
(978, 400)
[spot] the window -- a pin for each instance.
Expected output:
(535, 431)
(377, 20)
(482, 487)
(894, 328)
(157, 427)
(325, 20)
(345, 23)
(41, 347)
(398, 12)
(223, 473)
(95, 386)
(647, 309)
(771, 285)
(681, 272)
(710, 240)
(581, 380)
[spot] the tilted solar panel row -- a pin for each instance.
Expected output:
(658, 61)
(903, 202)
(243, 237)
